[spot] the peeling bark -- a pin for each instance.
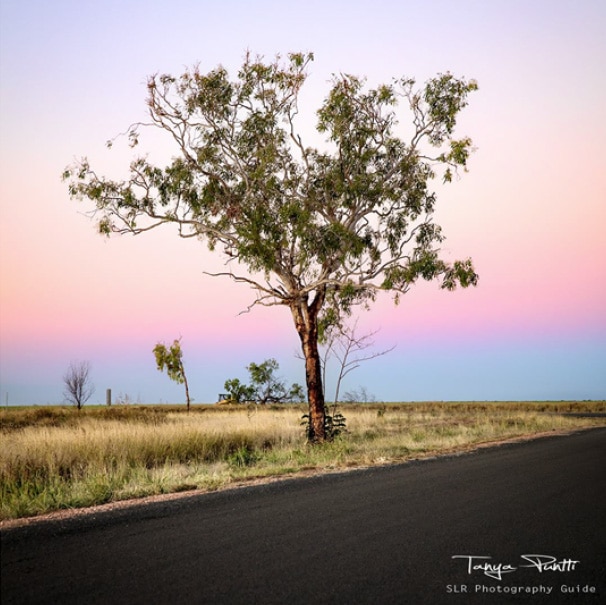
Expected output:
(306, 323)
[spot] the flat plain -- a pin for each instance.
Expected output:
(56, 458)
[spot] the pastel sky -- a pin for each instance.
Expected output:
(531, 211)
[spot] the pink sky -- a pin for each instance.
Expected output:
(530, 212)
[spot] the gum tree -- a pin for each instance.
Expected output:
(269, 387)
(317, 230)
(171, 360)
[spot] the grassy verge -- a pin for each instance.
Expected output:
(56, 458)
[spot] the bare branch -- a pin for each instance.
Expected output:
(77, 381)
(344, 343)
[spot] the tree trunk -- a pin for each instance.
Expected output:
(186, 387)
(306, 322)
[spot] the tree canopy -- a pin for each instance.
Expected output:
(317, 230)
(171, 359)
(265, 385)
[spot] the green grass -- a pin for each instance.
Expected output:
(54, 458)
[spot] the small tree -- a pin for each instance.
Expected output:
(268, 387)
(265, 387)
(318, 230)
(172, 359)
(238, 392)
(78, 386)
(350, 350)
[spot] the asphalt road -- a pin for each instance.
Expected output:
(378, 536)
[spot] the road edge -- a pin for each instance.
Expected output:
(120, 505)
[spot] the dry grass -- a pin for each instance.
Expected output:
(53, 458)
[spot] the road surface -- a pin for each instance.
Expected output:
(412, 533)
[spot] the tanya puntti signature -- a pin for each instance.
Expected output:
(479, 563)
